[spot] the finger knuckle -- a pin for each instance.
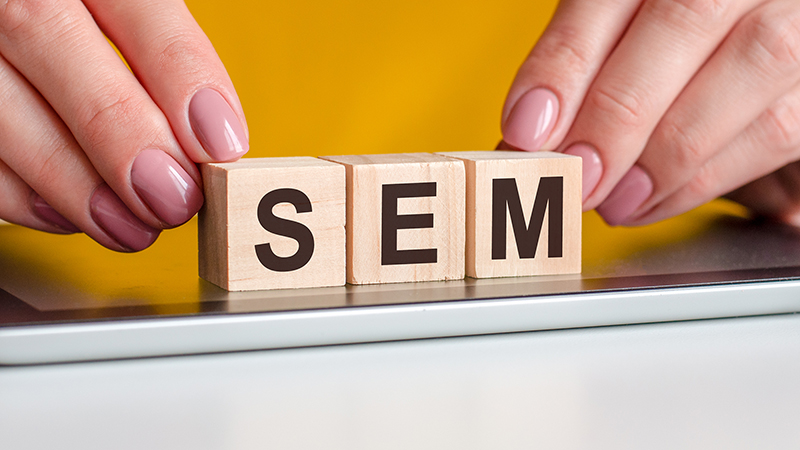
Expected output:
(705, 183)
(177, 47)
(782, 126)
(700, 14)
(18, 16)
(52, 163)
(563, 47)
(39, 167)
(687, 150)
(105, 116)
(618, 105)
(15, 13)
(776, 37)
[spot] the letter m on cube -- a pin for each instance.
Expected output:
(523, 213)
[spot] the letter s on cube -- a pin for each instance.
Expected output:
(273, 223)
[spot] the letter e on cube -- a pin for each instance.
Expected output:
(405, 217)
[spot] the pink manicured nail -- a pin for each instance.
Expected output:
(592, 166)
(46, 212)
(163, 184)
(217, 126)
(629, 194)
(531, 120)
(113, 216)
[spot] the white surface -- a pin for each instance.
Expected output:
(730, 383)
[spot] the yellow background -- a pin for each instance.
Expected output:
(341, 77)
(380, 76)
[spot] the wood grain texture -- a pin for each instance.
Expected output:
(526, 169)
(370, 179)
(230, 229)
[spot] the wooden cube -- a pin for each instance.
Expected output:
(524, 213)
(273, 223)
(405, 217)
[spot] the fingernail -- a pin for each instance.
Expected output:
(592, 166)
(531, 120)
(217, 126)
(629, 194)
(47, 213)
(166, 188)
(113, 216)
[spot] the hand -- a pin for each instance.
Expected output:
(670, 103)
(89, 146)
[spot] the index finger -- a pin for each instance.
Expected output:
(179, 68)
(552, 82)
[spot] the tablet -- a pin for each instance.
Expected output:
(64, 299)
